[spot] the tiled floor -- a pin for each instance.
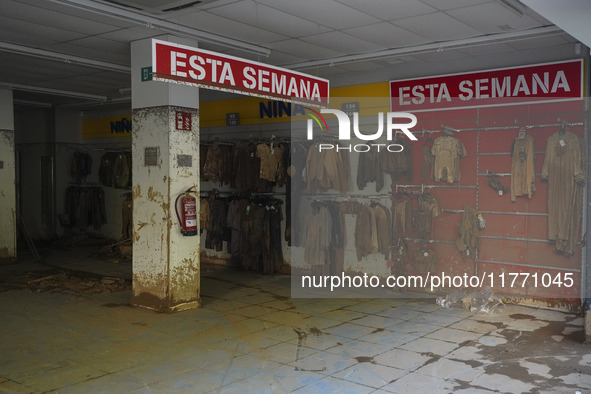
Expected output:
(250, 337)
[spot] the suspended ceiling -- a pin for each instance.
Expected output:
(83, 46)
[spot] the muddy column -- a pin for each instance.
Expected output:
(7, 178)
(165, 148)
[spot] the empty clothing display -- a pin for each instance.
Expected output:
(522, 167)
(564, 168)
(448, 151)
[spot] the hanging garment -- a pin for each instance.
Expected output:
(122, 171)
(424, 260)
(468, 241)
(215, 162)
(217, 221)
(398, 164)
(400, 218)
(428, 209)
(85, 206)
(238, 210)
(81, 166)
(204, 214)
(246, 167)
(428, 165)
(522, 167)
(564, 168)
(327, 169)
(372, 231)
(317, 236)
(271, 157)
(369, 169)
(448, 151)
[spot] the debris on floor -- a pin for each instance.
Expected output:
(482, 301)
(78, 283)
(61, 280)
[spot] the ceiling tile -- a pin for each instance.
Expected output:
(387, 35)
(97, 48)
(34, 32)
(493, 18)
(129, 34)
(304, 50)
(390, 9)
(52, 14)
(262, 16)
(327, 13)
(216, 24)
(437, 27)
(342, 42)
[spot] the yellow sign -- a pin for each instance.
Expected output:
(252, 110)
(119, 126)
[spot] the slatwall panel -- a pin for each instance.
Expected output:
(515, 238)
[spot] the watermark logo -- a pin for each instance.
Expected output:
(390, 124)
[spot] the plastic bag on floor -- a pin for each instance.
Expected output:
(482, 301)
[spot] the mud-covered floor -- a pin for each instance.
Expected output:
(251, 337)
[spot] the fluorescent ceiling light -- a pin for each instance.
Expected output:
(57, 92)
(122, 13)
(433, 47)
(62, 57)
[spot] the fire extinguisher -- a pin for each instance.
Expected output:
(188, 216)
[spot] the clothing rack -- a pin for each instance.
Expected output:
(561, 123)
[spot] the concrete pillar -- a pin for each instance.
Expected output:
(166, 272)
(7, 178)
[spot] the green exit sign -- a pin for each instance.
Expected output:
(146, 74)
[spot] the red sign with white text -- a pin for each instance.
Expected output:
(192, 66)
(508, 86)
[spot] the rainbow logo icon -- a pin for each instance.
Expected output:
(317, 117)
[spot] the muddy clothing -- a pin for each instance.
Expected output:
(427, 210)
(564, 168)
(522, 167)
(327, 169)
(428, 164)
(400, 218)
(397, 164)
(468, 241)
(372, 231)
(217, 222)
(370, 170)
(317, 236)
(295, 162)
(448, 151)
(271, 161)
(246, 167)
(424, 260)
(204, 214)
(215, 162)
